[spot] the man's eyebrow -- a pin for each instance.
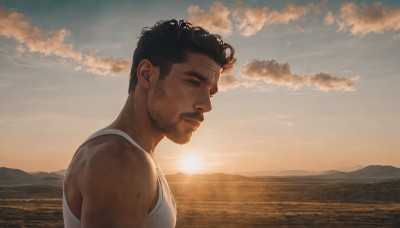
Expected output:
(197, 75)
(203, 79)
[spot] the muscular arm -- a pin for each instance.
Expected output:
(118, 188)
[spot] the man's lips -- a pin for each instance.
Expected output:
(195, 123)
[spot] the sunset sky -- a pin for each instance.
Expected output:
(316, 85)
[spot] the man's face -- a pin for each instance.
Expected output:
(177, 103)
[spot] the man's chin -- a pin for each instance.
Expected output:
(181, 139)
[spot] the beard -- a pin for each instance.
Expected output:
(177, 134)
(173, 131)
(181, 135)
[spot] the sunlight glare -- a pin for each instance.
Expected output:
(191, 163)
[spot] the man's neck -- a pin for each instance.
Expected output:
(135, 121)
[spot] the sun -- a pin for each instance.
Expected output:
(191, 163)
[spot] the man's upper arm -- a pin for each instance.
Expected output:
(117, 191)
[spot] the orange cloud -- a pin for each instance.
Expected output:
(247, 20)
(280, 74)
(329, 19)
(215, 21)
(34, 39)
(105, 66)
(365, 19)
(228, 81)
(251, 20)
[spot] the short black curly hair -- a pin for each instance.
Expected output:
(169, 41)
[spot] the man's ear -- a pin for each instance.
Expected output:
(146, 74)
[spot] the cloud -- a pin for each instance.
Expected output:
(215, 21)
(251, 20)
(248, 21)
(329, 19)
(273, 72)
(375, 18)
(228, 81)
(36, 40)
(105, 66)
(20, 49)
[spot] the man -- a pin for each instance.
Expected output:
(113, 179)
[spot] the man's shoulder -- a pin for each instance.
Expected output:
(111, 157)
(109, 174)
(113, 148)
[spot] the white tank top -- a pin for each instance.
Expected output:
(164, 212)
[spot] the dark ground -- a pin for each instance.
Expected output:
(235, 204)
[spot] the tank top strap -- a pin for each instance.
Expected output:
(114, 132)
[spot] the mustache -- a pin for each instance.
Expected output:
(193, 115)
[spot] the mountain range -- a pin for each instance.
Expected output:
(295, 172)
(9, 176)
(372, 171)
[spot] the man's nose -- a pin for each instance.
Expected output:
(204, 103)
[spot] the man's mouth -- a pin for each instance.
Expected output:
(194, 123)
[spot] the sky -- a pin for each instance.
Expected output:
(315, 86)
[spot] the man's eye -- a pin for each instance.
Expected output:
(194, 83)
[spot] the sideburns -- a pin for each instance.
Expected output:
(159, 91)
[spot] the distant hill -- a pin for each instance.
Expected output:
(14, 175)
(296, 173)
(375, 173)
(214, 177)
(285, 173)
(278, 173)
(331, 172)
(10, 176)
(370, 172)
(47, 176)
(61, 172)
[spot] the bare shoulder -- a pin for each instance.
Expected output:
(117, 181)
(114, 159)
